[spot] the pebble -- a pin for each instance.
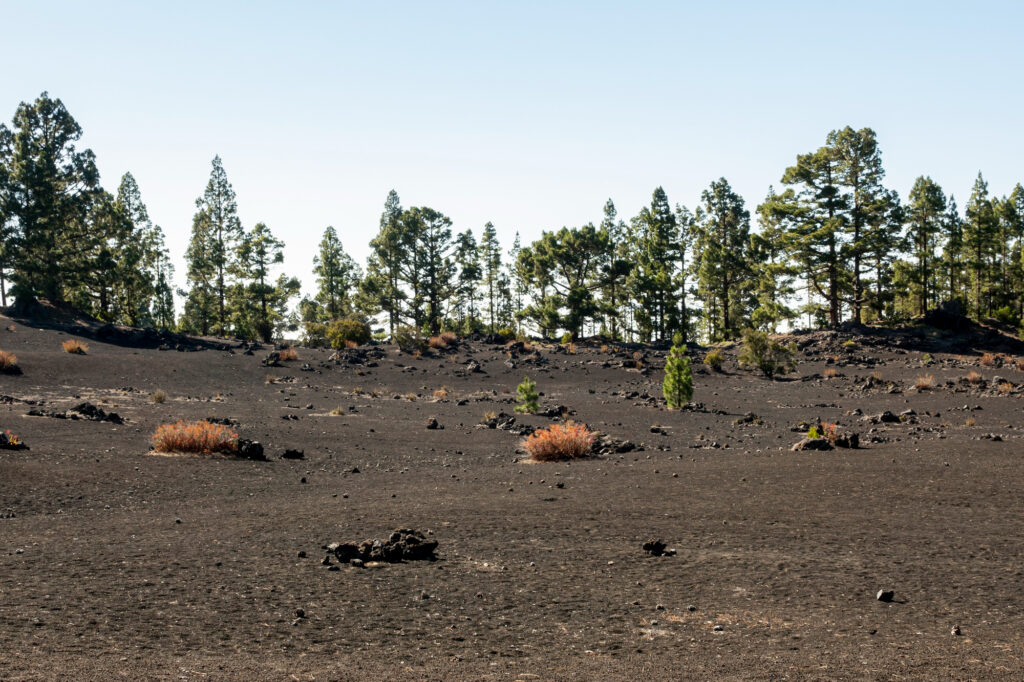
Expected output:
(885, 595)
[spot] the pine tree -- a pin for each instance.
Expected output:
(163, 281)
(520, 287)
(814, 213)
(868, 218)
(527, 394)
(223, 232)
(200, 313)
(723, 267)
(432, 272)
(677, 386)
(566, 265)
(654, 275)
(337, 274)
(7, 232)
(980, 236)
(51, 188)
(953, 255)
(773, 271)
(95, 291)
(614, 271)
(490, 259)
(381, 289)
(926, 210)
(467, 259)
(258, 304)
(136, 257)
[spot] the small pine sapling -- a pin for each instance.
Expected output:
(678, 384)
(528, 397)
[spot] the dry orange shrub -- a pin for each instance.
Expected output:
(198, 437)
(75, 347)
(924, 383)
(559, 441)
(974, 377)
(288, 354)
(8, 360)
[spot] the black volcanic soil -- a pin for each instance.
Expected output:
(117, 563)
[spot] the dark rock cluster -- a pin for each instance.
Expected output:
(404, 544)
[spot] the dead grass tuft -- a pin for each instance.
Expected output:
(559, 442)
(441, 393)
(159, 396)
(288, 354)
(1005, 387)
(8, 361)
(830, 373)
(75, 347)
(200, 437)
(991, 360)
(974, 377)
(924, 383)
(349, 343)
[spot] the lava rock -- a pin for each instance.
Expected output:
(250, 449)
(293, 454)
(404, 544)
(432, 424)
(812, 444)
(885, 595)
(654, 547)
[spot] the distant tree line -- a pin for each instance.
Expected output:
(833, 244)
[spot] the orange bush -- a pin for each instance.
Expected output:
(974, 377)
(199, 437)
(442, 341)
(349, 343)
(924, 383)
(75, 347)
(991, 360)
(558, 442)
(288, 354)
(8, 361)
(830, 373)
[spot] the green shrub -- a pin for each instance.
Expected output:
(766, 354)
(410, 340)
(1007, 315)
(714, 359)
(347, 329)
(567, 338)
(505, 334)
(528, 397)
(678, 384)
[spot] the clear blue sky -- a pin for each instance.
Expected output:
(528, 114)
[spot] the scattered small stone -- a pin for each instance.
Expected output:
(885, 595)
(955, 631)
(432, 424)
(293, 454)
(300, 613)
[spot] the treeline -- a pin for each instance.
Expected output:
(832, 244)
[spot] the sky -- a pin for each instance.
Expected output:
(526, 114)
